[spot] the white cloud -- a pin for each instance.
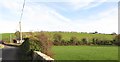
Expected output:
(41, 17)
(104, 22)
(7, 26)
(78, 4)
(12, 4)
(103, 14)
(87, 4)
(95, 3)
(67, 0)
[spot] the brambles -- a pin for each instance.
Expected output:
(45, 43)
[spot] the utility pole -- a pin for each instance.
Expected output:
(20, 32)
(20, 22)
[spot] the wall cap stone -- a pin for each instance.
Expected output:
(43, 55)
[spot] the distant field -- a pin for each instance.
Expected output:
(85, 52)
(6, 36)
(67, 35)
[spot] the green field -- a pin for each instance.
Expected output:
(85, 52)
(7, 36)
(79, 52)
(66, 35)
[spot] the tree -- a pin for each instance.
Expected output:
(96, 32)
(57, 37)
(45, 43)
(73, 40)
(94, 41)
(113, 33)
(117, 40)
(84, 40)
(17, 34)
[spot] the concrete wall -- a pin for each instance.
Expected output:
(41, 57)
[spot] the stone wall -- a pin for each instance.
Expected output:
(41, 57)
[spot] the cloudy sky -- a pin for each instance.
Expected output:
(60, 15)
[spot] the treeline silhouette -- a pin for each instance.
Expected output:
(58, 40)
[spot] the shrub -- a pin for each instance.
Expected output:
(94, 41)
(117, 40)
(63, 42)
(45, 43)
(84, 40)
(30, 44)
(73, 40)
(97, 41)
(40, 42)
(17, 34)
(57, 39)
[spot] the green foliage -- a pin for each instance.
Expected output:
(98, 41)
(84, 40)
(30, 44)
(6, 37)
(45, 43)
(63, 38)
(17, 34)
(57, 37)
(117, 40)
(67, 35)
(39, 42)
(26, 45)
(73, 40)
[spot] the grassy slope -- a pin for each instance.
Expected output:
(85, 52)
(67, 35)
(6, 36)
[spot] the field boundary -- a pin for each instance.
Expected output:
(41, 56)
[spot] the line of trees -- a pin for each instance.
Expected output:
(58, 40)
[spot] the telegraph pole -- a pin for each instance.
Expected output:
(20, 32)
(20, 22)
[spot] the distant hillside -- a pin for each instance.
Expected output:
(65, 35)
